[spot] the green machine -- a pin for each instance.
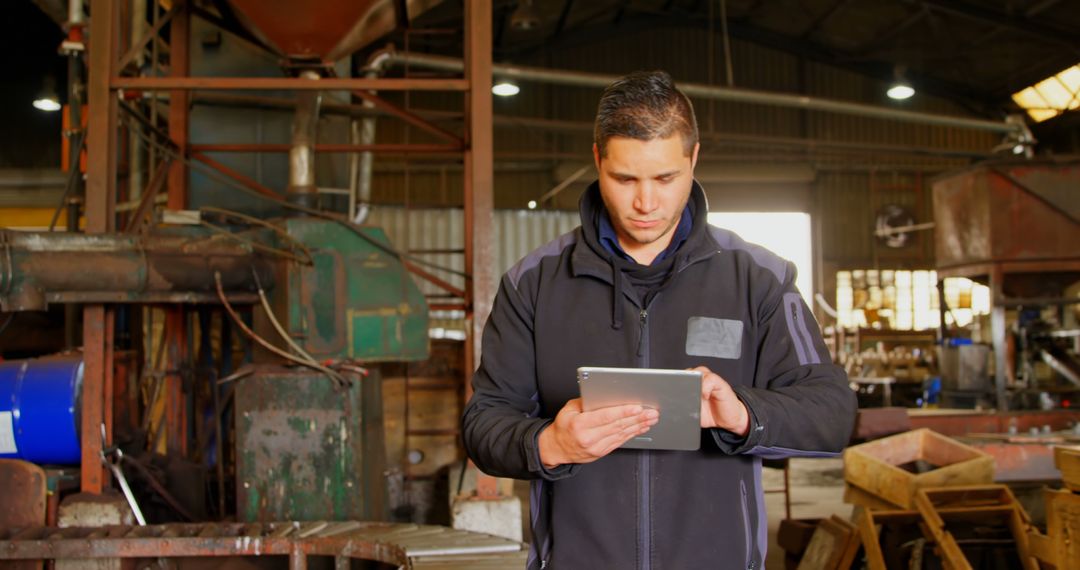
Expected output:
(308, 448)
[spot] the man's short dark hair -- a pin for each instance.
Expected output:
(645, 105)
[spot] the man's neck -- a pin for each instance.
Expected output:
(646, 253)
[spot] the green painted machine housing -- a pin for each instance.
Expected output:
(308, 449)
(356, 301)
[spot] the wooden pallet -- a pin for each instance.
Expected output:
(868, 520)
(875, 466)
(981, 503)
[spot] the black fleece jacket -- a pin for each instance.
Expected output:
(725, 304)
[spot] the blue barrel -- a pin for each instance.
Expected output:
(39, 407)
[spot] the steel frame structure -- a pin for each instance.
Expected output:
(109, 59)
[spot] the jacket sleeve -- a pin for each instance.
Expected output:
(501, 424)
(800, 403)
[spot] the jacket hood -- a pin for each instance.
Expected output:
(590, 257)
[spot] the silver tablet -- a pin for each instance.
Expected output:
(675, 393)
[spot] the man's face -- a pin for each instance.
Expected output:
(645, 186)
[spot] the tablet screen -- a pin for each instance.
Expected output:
(676, 394)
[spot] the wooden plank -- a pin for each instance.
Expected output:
(867, 521)
(1063, 527)
(856, 496)
(1067, 460)
(1041, 547)
(950, 550)
(826, 546)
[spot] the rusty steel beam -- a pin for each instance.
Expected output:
(100, 197)
(409, 117)
(479, 197)
(479, 178)
(430, 278)
(327, 147)
(286, 83)
(139, 44)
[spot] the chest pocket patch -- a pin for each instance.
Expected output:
(718, 338)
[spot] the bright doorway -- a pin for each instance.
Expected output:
(787, 234)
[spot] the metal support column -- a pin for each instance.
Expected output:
(176, 316)
(100, 199)
(479, 193)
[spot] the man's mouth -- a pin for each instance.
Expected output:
(644, 224)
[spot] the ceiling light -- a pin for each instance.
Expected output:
(47, 104)
(525, 17)
(532, 204)
(900, 88)
(505, 89)
(47, 99)
(900, 91)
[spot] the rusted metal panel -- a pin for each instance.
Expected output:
(1010, 212)
(303, 448)
(962, 422)
(401, 545)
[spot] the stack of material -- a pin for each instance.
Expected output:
(1060, 546)
(919, 495)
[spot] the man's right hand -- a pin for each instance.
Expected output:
(578, 436)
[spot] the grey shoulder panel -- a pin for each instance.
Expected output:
(728, 239)
(554, 247)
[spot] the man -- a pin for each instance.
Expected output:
(646, 282)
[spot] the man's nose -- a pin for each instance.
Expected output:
(646, 198)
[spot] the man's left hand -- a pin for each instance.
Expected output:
(720, 407)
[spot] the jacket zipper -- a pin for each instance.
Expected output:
(746, 526)
(798, 331)
(645, 492)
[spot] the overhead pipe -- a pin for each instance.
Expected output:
(361, 165)
(739, 95)
(302, 189)
(36, 268)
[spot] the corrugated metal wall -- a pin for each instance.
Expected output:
(517, 232)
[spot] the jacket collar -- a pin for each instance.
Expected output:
(590, 257)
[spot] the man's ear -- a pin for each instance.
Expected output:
(694, 155)
(596, 157)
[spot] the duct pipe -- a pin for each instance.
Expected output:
(59, 267)
(75, 13)
(582, 79)
(305, 128)
(362, 164)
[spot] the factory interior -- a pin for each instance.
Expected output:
(248, 249)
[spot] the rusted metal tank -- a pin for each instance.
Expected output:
(327, 30)
(1021, 219)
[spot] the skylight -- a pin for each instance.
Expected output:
(1051, 96)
